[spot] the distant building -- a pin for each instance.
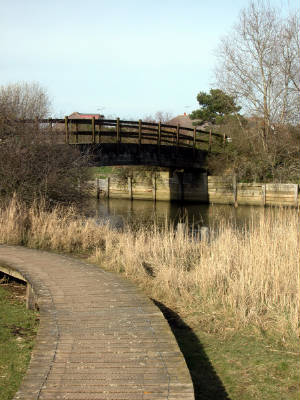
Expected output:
(60, 127)
(185, 121)
(77, 115)
(182, 120)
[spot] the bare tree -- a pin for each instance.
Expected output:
(258, 63)
(159, 116)
(289, 65)
(32, 162)
(24, 100)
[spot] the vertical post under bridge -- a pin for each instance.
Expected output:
(99, 131)
(118, 130)
(140, 132)
(93, 129)
(76, 132)
(234, 189)
(159, 133)
(66, 130)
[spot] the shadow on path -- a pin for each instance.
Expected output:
(207, 384)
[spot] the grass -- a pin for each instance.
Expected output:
(243, 365)
(101, 172)
(252, 367)
(18, 328)
(233, 302)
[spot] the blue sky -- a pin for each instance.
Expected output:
(127, 58)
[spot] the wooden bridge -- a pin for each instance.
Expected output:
(122, 142)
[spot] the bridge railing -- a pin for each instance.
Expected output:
(76, 131)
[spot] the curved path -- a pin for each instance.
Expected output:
(99, 338)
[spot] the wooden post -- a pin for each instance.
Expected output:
(99, 132)
(177, 135)
(97, 188)
(140, 132)
(194, 138)
(296, 194)
(181, 229)
(107, 187)
(130, 187)
(76, 132)
(159, 133)
(36, 124)
(154, 187)
(70, 130)
(66, 130)
(118, 130)
(30, 300)
(210, 137)
(234, 189)
(93, 129)
(204, 234)
(224, 139)
(50, 125)
(181, 180)
(263, 189)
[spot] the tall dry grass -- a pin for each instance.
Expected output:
(239, 277)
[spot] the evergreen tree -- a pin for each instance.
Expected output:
(215, 107)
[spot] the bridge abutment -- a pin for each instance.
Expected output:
(170, 185)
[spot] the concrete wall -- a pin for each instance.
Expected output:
(160, 186)
(225, 190)
(220, 189)
(198, 187)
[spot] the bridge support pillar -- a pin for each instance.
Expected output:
(97, 188)
(130, 188)
(107, 187)
(154, 186)
(234, 189)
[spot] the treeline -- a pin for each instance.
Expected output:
(258, 71)
(253, 159)
(32, 165)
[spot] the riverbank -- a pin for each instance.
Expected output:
(192, 187)
(241, 287)
(251, 273)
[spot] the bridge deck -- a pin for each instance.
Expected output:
(99, 337)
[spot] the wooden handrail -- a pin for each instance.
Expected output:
(113, 122)
(139, 130)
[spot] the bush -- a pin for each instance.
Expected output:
(254, 158)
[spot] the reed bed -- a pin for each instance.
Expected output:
(239, 277)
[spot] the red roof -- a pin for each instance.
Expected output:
(77, 115)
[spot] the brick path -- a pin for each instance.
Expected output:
(99, 338)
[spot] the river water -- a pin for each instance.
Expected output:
(118, 212)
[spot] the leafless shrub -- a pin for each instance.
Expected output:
(247, 156)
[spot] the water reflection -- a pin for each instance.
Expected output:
(117, 212)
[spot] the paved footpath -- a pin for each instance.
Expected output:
(99, 338)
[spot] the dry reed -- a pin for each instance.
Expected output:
(239, 277)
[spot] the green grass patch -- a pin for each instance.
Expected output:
(245, 365)
(18, 327)
(254, 367)
(101, 172)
